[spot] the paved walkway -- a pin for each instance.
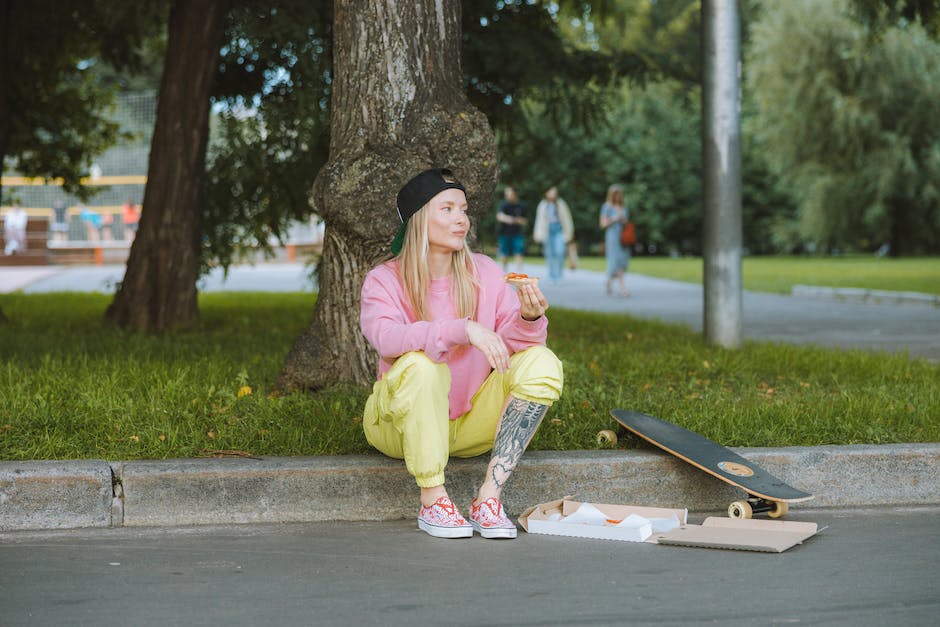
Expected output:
(907, 327)
(268, 277)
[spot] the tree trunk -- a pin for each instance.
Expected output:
(398, 107)
(6, 24)
(158, 292)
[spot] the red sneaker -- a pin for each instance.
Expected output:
(490, 520)
(442, 520)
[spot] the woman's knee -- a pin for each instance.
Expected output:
(536, 374)
(417, 368)
(417, 388)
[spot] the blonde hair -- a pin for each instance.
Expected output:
(613, 189)
(413, 270)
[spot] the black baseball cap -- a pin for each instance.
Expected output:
(417, 192)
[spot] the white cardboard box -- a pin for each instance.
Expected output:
(774, 536)
(549, 518)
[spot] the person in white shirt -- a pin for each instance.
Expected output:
(14, 230)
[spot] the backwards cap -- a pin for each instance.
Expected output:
(416, 193)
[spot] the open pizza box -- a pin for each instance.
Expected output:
(567, 517)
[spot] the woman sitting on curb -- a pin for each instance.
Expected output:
(463, 366)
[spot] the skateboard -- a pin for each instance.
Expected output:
(765, 493)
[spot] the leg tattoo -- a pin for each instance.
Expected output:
(516, 427)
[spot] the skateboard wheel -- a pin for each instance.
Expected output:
(780, 509)
(606, 437)
(740, 509)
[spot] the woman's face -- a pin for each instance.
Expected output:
(448, 223)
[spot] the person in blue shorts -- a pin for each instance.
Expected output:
(512, 221)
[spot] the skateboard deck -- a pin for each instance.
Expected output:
(766, 493)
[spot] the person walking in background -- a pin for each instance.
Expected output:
(60, 226)
(14, 230)
(93, 222)
(130, 215)
(553, 229)
(614, 215)
(512, 220)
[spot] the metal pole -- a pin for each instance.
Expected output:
(721, 172)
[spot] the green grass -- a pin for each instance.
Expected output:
(70, 387)
(780, 274)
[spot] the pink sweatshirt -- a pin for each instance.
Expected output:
(388, 322)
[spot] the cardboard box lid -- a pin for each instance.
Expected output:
(771, 536)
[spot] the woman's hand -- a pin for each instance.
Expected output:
(490, 344)
(532, 302)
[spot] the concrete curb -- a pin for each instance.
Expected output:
(55, 495)
(862, 295)
(60, 495)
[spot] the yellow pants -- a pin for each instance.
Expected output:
(407, 415)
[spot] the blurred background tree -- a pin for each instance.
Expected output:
(839, 145)
(646, 137)
(273, 97)
(59, 63)
(850, 124)
(272, 123)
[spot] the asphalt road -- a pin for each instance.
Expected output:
(875, 567)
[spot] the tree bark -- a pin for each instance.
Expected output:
(6, 24)
(398, 107)
(158, 292)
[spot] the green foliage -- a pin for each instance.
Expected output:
(839, 107)
(649, 141)
(515, 50)
(647, 136)
(665, 34)
(768, 207)
(273, 90)
(851, 124)
(58, 101)
(272, 93)
(880, 14)
(71, 387)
